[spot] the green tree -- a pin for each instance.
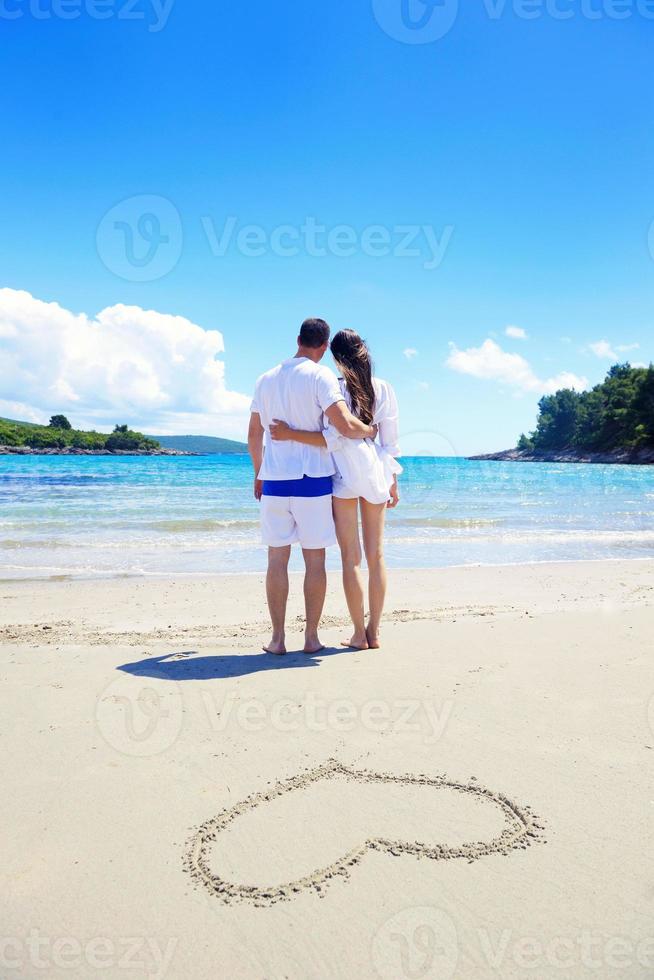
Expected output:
(616, 414)
(557, 422)
(54, 437)
(10, 435)
(123, 438)
(644, 408)
(619, 391)
(59, 422)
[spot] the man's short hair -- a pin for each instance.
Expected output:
(314, 333)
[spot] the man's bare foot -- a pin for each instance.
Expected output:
(373, 639)
(312, 644)
(358, 641)
(277, 647)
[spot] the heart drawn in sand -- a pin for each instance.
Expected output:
(502, 825)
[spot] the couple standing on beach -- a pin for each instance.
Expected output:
(324, 448)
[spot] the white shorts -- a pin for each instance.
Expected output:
(341, 489)
(307, 520)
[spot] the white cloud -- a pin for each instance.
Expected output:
(492, 363)
(604, 350)
(423, 385)
(409, 352)
(516, 332)
(152, 370)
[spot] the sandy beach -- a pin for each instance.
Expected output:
(472, 800)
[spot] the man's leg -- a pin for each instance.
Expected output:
(315, 588)
(277, 594)
(315, 531)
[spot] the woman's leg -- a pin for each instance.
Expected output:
(372, 525)
(346, 519)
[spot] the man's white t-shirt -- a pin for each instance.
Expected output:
(298, 391)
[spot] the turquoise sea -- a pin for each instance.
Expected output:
(97, 516)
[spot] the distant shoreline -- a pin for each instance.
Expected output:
(74, 451)
(634, 457)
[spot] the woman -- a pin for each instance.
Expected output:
(366, 479)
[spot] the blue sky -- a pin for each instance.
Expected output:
(524, 147)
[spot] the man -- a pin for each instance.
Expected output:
(293, 482)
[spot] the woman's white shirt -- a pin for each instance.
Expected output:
(366, 468)
(386, 415)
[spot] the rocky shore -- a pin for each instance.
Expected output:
(74, 451)
(639, 457)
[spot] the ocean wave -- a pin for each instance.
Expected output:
(532, 536)
(136, 545)
(11, 544)
(425, 533)
(198, 524)
(445, 522)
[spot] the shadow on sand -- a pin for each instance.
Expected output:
(188, 666)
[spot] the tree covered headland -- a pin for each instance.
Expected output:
(616, 414)
(59, 434)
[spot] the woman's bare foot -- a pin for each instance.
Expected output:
(373, 639)
(312, 644)
(359, 641)
(278, 647)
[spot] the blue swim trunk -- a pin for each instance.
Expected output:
(307, 486)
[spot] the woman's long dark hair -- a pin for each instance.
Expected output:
(355, 364)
